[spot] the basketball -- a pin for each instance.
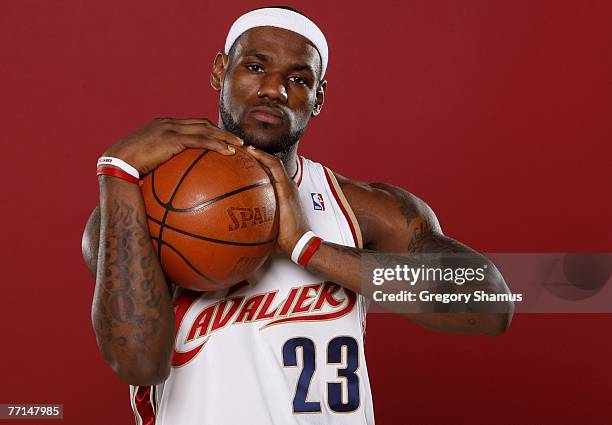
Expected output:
(212, 218)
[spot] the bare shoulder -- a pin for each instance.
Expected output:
(388, 215)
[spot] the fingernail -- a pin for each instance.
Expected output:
(241, 142)
(231, 149)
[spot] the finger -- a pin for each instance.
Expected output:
(192, 121)
(198, 141)
(206, 129)
(272, 163)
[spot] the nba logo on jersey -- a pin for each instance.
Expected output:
(317, 202)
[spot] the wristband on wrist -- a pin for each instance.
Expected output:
(305, 248)
(120, 164)
(116, 172)
(299, 246)
(312, 247)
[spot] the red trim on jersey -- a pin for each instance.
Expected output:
(182, 304)
(181, 358)
(301, 171)
(144, 406)
(330, 183)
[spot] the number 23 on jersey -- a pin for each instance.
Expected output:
(343, 396)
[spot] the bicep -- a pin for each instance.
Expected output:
(91, 241)
(397, 221)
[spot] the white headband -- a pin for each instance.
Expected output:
(280, 18)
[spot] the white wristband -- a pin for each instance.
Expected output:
(122, 165)
(299, 246)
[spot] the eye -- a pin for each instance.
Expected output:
(298, 80)
(254, 67)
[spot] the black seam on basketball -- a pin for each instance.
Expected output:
(206, 238)
(178, 185)
(159, 201)
(161, 242)
(220, 197)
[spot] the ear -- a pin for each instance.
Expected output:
(218, 71)
(320, 98)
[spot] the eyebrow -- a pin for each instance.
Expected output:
(265, 58)
(303, 67)
(258, 55)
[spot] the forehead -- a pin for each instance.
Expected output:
(280, 44)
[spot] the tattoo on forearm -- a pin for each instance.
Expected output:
(350, 251)
(130, 295)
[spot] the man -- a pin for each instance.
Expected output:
(286, 346)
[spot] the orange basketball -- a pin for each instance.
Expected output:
(213, 218)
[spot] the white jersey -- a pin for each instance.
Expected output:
(283, 348)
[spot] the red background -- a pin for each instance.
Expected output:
(497, 113)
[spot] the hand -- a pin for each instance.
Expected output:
(293, 223)
(158, 141)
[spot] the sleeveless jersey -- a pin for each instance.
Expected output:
(283, 348)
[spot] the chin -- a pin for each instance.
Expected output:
(264, 140)
(265, 145)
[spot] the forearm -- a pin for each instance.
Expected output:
(132, 308)
(353, 268)
(395, 221)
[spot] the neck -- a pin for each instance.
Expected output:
(288, 157)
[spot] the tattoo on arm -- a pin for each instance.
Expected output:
(129, 301)
(425, 240)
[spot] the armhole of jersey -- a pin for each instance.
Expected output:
(144, 404)
(345, 207)
(300, 170)
(356, 232)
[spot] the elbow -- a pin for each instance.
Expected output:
(500, 318)
(143, 374)
(497, 326)
(499, 323)
(132, 363)
(137, 367)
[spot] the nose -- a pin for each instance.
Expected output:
(273, 88)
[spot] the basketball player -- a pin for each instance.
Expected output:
(287, 346)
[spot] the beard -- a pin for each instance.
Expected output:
(281, 147)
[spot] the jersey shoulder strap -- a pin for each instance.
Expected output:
(315, 177)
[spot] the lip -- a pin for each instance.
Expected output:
(267, 114)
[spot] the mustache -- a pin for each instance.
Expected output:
(282, 109)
